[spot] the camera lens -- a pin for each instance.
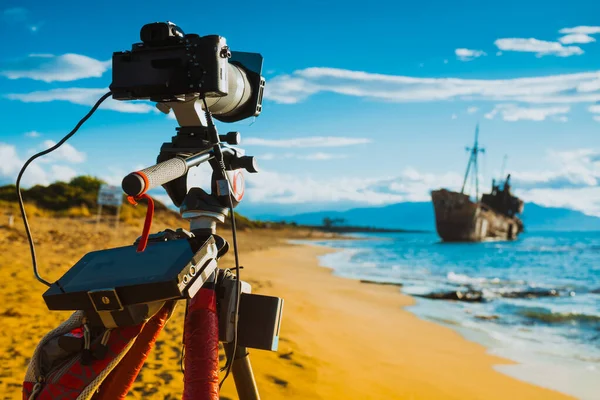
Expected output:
(239, 94)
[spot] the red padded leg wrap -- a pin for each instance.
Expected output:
(201, 341)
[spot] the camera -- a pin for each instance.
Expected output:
(170, 66)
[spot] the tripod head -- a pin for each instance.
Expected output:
(195, 136)
(197, 141)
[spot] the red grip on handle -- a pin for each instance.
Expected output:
(201, 341)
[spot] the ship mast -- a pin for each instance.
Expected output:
(475, 150)
(503, 166)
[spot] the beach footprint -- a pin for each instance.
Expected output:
(278, 381)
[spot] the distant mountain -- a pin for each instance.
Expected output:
(540, 218)
(414, 215)
(420, 216)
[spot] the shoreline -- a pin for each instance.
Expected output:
(357, 340)
(526, 368)
(576, 377)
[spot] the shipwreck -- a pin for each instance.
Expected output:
(495, 216)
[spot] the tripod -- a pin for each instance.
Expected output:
(203, 220)
(193, 145)
(127, 292)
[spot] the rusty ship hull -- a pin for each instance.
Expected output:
(458, 219)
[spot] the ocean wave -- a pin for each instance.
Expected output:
(342, 258)
(549, 317)
(463, 279)
(546, 248)
(555, 249)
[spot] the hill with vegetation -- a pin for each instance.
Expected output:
(78, 199)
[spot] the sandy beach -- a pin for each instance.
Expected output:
(340, 339)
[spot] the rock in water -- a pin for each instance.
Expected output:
(531, 294)
(380, 283)
(457, 295)
(487, 317)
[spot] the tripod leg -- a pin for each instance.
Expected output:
(242, 373)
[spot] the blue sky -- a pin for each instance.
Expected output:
(366, 103)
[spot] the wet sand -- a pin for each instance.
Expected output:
(342, 339)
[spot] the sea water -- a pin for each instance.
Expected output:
(555, 340)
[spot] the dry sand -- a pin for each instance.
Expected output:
(340, 339)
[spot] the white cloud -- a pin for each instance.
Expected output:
(163, 198)
(82, 96)
(583, 199)
(15, 14)
(576, 38)
(114, 175)
(416, 185)
(409, 185)
(540, 47)
(454, 116)
(51, 68)
(33, 134)
(561, 118)
(589, 86)
(512, 112)
(574, 169)
(491, 114)
(468, 54)
(311, 141)
(11, 165)
(573, 182)
(319, 156)
(272, 187)
(574, 172)
(44, 170)
(595, 109)
(584, 30)
(62, 173)
(472, 110)
(267, 156)
(568, 88)
(66, 152)
(10, 161)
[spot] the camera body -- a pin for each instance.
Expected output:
(172, 66)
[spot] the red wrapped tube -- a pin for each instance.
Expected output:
(201, 340)
(121, 378)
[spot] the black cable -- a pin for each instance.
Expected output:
(230, 361)
(42, 153)
(219, 157)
